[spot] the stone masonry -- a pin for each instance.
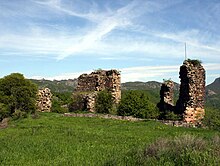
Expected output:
(99, 80)
(192, 91)
(44, 101)
(166, 96)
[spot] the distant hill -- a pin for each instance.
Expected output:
(215, 86)
(57, 86)
(137, 85)
(152, 87)
(213, 94)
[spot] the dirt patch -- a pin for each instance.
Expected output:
(4, 123)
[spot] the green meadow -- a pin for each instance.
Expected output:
(52, 139)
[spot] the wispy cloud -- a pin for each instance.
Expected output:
(115, 34)
(99, 37)
(103, 28)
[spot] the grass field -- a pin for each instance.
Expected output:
(56, 140)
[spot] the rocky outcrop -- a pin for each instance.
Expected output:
(44, 101)
(192, 91)
(90, 84)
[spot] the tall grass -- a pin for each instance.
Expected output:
(185, 149)
(56, 140)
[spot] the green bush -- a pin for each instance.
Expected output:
(18, 114)
(18, 93)
(104, 102)
(4, 111)
(212, 119)
(57, 106)
(171, 116)
(137, 104)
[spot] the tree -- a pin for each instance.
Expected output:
(104, 102)
(18, 93)
(137, 104)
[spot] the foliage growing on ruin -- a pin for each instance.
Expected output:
(17, 93)
(195, 62)
(98, 70)
(167, 80)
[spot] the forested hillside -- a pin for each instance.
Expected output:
(152, 88)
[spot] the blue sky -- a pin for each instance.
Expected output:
(144, 39)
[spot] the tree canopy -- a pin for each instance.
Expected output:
(16, 93)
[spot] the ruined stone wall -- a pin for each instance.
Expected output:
(98, 81)
(166, 96)
(44, 101)
(192, 91)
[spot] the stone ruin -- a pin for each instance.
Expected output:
(191, 94)
(90, 84)
(44, 101)
(166, 96)
(192, 91)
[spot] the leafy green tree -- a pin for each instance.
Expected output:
(18, 93)
(104, 102)
(137, 104)
(4, 111)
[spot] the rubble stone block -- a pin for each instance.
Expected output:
(44, 101)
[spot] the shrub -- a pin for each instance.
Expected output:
(104, 102)
(57, 106)
(18, 114)
(4, 111)
(171, 116)
(137, 104)
(212, 119)
(18, 93)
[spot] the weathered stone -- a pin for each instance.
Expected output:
(97, 81)
(44, 101)
(166, 97)
(192, 92)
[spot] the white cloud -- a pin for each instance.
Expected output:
(193, 38)
(141, 73)
(212, 66)
(146, 73)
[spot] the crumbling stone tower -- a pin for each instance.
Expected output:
(166, 96)
(44, 101)
(90, 84)
(192, 92)
(100, 80)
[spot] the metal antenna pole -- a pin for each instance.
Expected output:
(185, 52)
